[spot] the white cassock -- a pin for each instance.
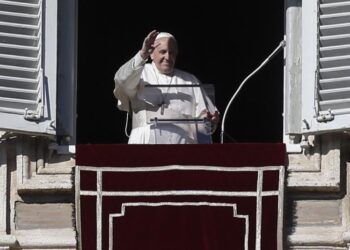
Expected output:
(132, 82)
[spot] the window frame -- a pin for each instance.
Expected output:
(59, 80)
(313, 121)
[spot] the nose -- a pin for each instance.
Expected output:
(167, 56)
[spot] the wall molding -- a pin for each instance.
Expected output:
(40, 169)
(317, 168)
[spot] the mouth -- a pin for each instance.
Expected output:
(166, 64)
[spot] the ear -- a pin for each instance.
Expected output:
(152, 56)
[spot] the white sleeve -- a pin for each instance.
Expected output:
(127, 79)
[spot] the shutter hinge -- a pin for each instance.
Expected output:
(31, 116)
(326, 117)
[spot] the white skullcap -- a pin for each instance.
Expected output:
(165, 35)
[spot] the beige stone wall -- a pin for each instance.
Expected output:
(317, 206)
(36, 190)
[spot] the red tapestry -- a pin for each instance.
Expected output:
(170, 206)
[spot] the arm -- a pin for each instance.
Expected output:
(127, 78)
(129, 74)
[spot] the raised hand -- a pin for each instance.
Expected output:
(148, 44)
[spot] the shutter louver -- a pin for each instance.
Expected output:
(20, 58)
(333, 89)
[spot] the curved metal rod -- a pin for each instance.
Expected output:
(280, 46)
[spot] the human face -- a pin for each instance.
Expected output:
(164, 55)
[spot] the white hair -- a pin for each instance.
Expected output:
(165, 35)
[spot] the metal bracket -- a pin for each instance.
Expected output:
(31, 116)
(326, 117)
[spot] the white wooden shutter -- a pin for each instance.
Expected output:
(326, 65)
(24, 92)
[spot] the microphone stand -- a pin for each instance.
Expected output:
(280, 46)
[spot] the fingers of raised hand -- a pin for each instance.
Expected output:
(148, 43)
(151, 37)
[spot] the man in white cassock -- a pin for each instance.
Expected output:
(169, 114)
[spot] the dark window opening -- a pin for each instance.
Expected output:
(220, 44)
